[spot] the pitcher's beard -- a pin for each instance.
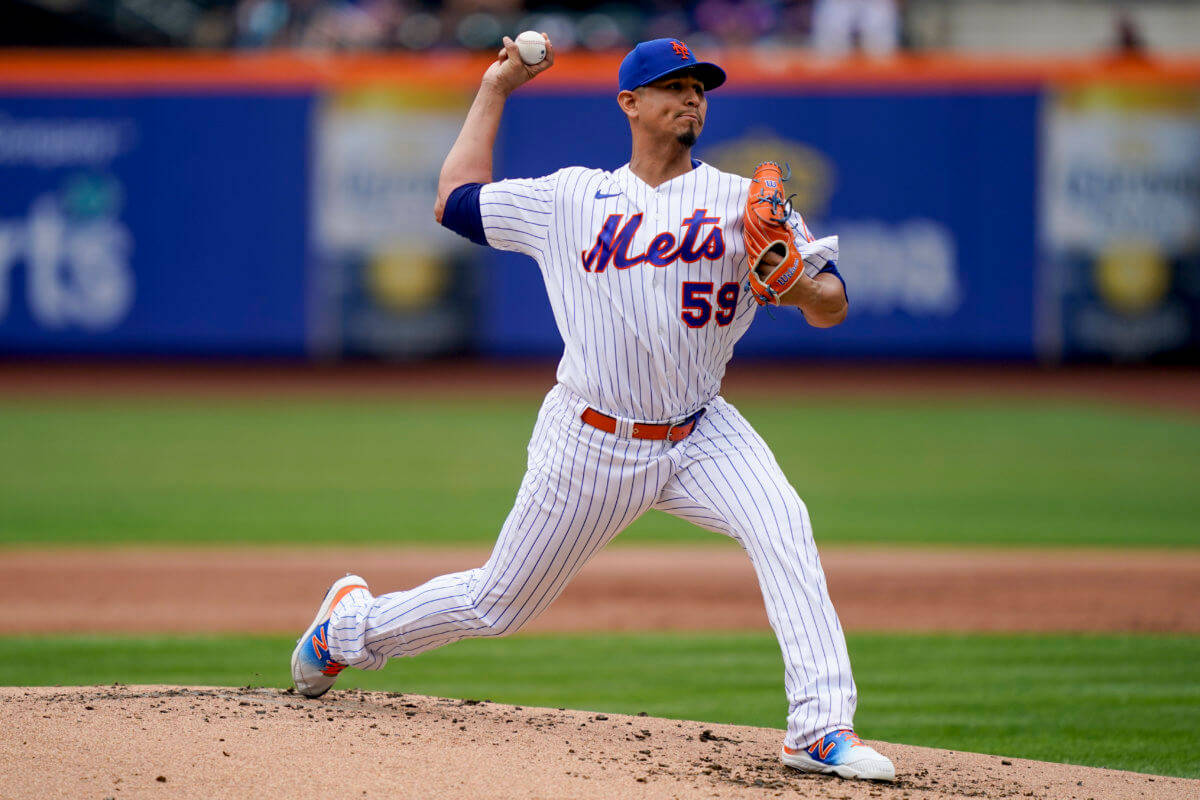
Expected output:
(688, 137)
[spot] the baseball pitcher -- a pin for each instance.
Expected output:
(654, 271)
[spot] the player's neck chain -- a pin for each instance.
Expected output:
(613, 240)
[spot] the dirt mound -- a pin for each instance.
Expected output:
(167, 742)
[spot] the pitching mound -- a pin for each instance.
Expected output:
(166, 742)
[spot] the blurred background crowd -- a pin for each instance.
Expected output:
(876, 27)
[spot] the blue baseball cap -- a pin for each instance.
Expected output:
(657, 58)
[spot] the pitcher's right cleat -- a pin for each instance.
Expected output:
(843, 754)
(313, 669)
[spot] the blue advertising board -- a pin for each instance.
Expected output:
(932, 196)
(154, 224)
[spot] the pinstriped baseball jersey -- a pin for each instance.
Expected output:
(646, 283)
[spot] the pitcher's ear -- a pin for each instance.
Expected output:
(627, 100)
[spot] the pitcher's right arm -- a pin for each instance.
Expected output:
(470, 159)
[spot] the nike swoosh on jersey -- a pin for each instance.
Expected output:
(600, 196)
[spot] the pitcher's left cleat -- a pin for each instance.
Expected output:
(313, 670)
(841, 753)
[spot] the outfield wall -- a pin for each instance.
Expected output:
(282, 205)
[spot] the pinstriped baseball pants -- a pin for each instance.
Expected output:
(583, 487)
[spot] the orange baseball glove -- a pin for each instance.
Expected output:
(767, 232)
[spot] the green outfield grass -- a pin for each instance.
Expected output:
(1127, 702)
(436, 473)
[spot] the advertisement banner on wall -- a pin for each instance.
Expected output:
(153, 225)
(387, 280)
(65, 246)
(1120, 276)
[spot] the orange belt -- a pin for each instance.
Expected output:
(644, 430)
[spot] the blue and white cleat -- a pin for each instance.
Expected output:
(313, 670)
(843, 754)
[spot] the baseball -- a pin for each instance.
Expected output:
(532, 46)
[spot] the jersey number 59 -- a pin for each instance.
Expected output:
(697, 310)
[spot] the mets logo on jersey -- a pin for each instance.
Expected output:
(681, 50)
(613, 240)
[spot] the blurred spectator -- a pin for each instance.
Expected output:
(1129, 44)
(665, 19)
(837, 22)
(317, 24)
(599, 31)
(341, 26)
(737, 22)
(260, 22)
(558, 26)
(418, 30)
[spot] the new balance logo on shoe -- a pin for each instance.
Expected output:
(320, 643)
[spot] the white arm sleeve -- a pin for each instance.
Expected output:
(517, 213)
(817, 253)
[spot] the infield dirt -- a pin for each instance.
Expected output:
(176, 742)
(259, 590)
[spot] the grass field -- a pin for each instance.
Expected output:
(419, 471)
(1128, 702)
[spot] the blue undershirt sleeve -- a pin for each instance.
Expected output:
(833, 270)
(462, 214)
